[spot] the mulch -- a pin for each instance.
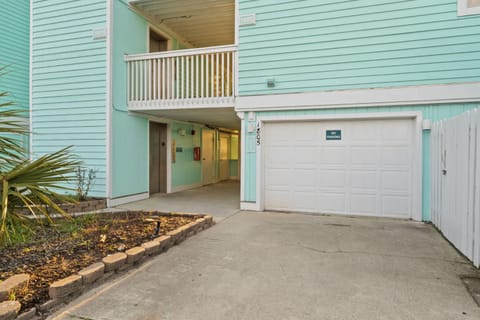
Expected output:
(53, 254)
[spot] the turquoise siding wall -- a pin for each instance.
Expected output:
(431, 112)
(69, 82)
(130, 133)
(313, 45)
(233, 168)
(186, 171)
(15, 51)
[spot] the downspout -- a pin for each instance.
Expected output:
(109, 44)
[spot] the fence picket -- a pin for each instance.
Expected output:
(455, 196)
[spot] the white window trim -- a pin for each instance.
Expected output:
(464, 10)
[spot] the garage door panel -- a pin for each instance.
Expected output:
(367, 172)
(278, 136)
(305, 157)
(304, 201)
(330, 179)
(364, 157)
(396, 181)
(304, 179)
(396, 206)
(332, 155)
(305, 135)
(364, 179)
(280, 199)
(397, 131)
(363, 204)
(276, 157)
(331, 202)
(396, 156)
(363, 132)
(278, 178)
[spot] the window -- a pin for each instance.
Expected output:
(466, 7)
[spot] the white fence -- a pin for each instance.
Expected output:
(455, 196)
(182, 77)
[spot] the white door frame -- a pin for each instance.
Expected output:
(418, 149)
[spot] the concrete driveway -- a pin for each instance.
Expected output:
(220, 200)
(293, 266)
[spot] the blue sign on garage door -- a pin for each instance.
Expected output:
(334, 134)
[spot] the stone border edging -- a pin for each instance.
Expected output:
(80, 207)
(64, 290)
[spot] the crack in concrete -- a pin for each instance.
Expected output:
(380, 254)
(74, 316)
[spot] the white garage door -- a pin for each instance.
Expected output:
(358, 167)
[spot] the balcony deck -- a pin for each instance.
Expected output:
(182, 79)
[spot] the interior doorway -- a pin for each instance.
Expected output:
(208, 156)
(158, 43)
(158, 157)
(224, 164)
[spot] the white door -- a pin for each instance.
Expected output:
(364, 167)
(208, 156)
(224, 157)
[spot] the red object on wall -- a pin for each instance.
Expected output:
(196, 153)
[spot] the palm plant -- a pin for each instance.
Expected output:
(34, 185)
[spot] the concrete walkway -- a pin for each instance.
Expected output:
(292, 266)
(220, 200)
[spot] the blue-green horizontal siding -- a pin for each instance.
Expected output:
(330, 45)
(185, 170)
(69, 82)
(15, 51)
(431, 112)
(130, 134)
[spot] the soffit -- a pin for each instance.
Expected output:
(203, 23)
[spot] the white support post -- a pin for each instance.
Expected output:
(149, 80)
(196, 78)
(202, 75)
(222, 75)
(217, 79)
(212, 78)
(228, 78)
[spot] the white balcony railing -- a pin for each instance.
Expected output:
(192, 77)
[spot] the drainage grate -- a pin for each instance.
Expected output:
(473, 287)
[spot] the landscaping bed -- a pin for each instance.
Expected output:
(56, 252)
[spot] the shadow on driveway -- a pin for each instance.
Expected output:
(293, 266)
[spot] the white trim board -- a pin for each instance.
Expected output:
(249, 206)
(127, 199)
(169, 158)
(417, 161)
(236, 67)
(415, 95)
(30, 85)
(464, 10)
(242, 136)
(108, 101)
